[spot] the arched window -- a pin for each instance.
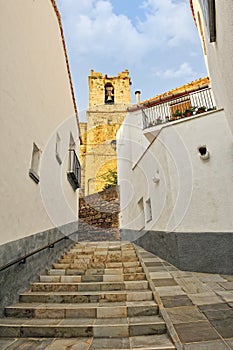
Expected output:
(109, 93)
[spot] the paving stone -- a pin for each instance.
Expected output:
(109, 312)
(214, 286)
(158, 275)
(176, 300)
(142, 295)
(108, 344)
(50, 313)
(4, 343)
(152, 342)
(212, 345)
(169, 291)
(205, 277)
(230, 342)
(227, 277)
(222, 320)
(185, 314)
(140, 310)
(29, 344)
(181, 274)
(157, 269)
(111, 331)
(221, 306)
(113, 278)
(205, 298)
(192, 285)
(196, 332)
(162, 282)
(85, 312)
(153, 263)
(226, 295)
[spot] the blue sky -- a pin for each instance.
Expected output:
(156, 40)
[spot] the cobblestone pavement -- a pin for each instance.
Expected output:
(197, 307)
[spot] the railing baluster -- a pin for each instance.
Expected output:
(157, 114)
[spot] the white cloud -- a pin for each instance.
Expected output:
(184, 70)
(101, 33)
(168, 22)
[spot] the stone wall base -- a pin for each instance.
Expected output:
(208, 252)
(17, 278)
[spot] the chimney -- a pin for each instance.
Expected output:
(137, 93)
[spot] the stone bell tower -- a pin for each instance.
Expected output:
(109, 98)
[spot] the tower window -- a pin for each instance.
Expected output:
(109, 94)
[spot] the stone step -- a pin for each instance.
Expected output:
(82, 327)
(146, 342)
(99, 272)
(96, 291)
(86, 297)
(80, 287)
(109, 271)
(72, 278)
(107, 264)
(88, 310)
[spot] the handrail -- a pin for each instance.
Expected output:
(22, 259)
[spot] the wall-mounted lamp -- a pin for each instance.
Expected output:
(203, 152)
(156, 177)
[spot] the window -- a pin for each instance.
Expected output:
(148, 210)
(109, 94)
(74, 168)
(58, 149)
(208, 10)
(35, 163)
(141, 214)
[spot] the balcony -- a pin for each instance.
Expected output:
(182, 105)
(74, 172)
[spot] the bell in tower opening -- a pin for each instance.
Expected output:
(109, 93)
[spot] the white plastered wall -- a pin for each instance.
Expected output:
(36, 102)
(192, 194)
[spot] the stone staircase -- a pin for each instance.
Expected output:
(98, 292)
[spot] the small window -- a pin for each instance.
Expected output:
(148, 210)
(72, 142)
(58, 149)
(141, 214)
(74, 170)
(35, 164)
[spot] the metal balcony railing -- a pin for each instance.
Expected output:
(74, 171)
(174, 108)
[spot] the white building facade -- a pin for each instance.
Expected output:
(39, 136)
(175, 176)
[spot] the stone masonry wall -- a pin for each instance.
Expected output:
(98, 216)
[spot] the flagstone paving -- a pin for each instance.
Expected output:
(197, 307)
(95, 297)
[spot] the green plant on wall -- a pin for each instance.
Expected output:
(110, 178)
